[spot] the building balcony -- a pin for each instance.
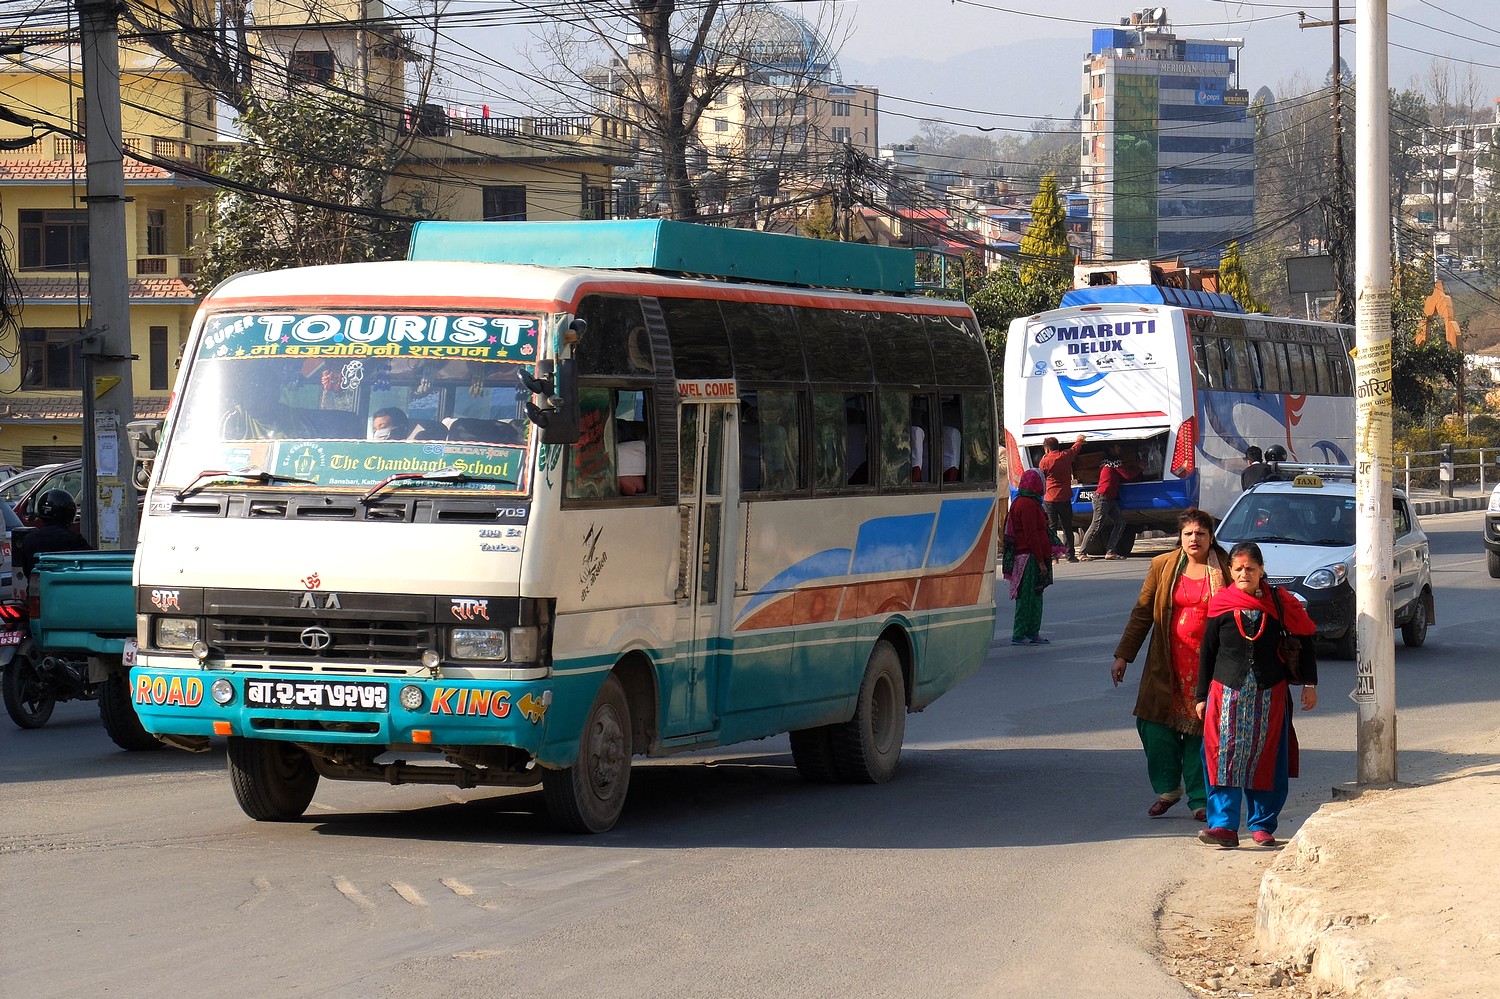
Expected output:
(199, 154)
(576, 137)
(168, 265)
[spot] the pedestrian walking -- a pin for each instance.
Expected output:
(1057, 498)
(1256, 471)
(1113, 471)
(1026, 558)
(1249, 744)
(1173, 608)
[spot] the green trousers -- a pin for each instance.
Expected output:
(1028, 623)
(1174, 759)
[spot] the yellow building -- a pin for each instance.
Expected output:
(456, 164)
(44, 225)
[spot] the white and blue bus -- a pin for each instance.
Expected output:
(547, 496)
(1186, 381)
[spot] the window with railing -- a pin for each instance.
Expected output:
(313, 66)
(156, 231)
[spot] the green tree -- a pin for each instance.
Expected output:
(1044, 245)
(1234, 282)
(307, 186)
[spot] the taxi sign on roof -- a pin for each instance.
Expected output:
(1308, 481)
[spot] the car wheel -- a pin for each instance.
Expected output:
(1414, 631)
(1493, 558)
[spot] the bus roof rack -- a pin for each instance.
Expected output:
(676, 248)
(1287, 470)
(1150, 294)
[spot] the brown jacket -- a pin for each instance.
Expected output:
(1153, 613)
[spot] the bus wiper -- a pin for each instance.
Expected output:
(449, 474)
(247, 474)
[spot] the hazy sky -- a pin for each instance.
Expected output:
(1003, 64)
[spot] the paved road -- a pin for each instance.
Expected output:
(1010, 857)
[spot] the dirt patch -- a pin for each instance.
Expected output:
(1206, 936)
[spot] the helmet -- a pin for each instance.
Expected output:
(57, 507)
(1276, 453)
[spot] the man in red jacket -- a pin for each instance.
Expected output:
(1057, 470)
(1112, 473)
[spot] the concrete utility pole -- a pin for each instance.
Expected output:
(1375, 678)
(109, 495)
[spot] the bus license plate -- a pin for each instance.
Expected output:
(313, 694)
(1085, 497)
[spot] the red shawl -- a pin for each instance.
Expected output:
(1293, 616)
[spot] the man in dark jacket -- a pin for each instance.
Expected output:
(56, 510)
(1256, 471)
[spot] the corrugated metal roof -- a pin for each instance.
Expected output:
(40, 408)
(143, 291)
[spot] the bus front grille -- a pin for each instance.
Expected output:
(294, 639)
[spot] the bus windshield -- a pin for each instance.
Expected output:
(345, 401)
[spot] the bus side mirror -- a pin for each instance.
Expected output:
(556, 383)
(144, 437)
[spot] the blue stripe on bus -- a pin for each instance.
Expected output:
(892, 544)
(959, 525)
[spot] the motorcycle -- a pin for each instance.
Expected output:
(35, 680)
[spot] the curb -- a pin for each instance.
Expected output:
(1430, 507)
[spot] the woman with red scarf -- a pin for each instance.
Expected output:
(1027, 558)
(1249, 746)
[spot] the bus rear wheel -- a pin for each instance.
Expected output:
(589, 796)
(867, 748)
(272, 781)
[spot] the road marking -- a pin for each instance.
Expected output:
(353, 894)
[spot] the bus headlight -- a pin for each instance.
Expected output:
(222, 691)
(411, 697)
(477, 643)
(176, 632)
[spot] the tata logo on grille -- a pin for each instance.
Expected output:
(315, 638)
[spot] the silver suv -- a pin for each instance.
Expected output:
(1305, 529)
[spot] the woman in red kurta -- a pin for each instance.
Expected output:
(1028, 558)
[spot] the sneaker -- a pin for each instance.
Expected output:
(1020, 641)
(1218, 836)
(1039, 640)
(1263, 838)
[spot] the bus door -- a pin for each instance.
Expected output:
(704, 592)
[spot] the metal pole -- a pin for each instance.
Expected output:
(109, 485)
(1375, 678)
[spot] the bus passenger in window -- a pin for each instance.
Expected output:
(918, 451)
(390, 424)
(953, 440)
(630, 458)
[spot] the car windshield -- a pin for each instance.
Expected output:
(346, 400)
(1299, 518)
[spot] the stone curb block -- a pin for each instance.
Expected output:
(1428, 508)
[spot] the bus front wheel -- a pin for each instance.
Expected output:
(867, 748)
(272, 781)
(589, 796)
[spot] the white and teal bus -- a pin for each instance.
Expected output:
(536, 501)
(1185, 381)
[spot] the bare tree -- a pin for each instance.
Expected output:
(662, 65)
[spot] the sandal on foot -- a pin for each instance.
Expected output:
(1226, 839)
(1201, 814)
(1160, 805)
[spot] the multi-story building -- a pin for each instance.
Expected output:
(453, 166)
(1168, 157)
(44, 229)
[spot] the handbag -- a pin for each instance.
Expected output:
(1289, 648)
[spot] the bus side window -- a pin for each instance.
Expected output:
(613, 454)
(771, 441)
(857, 432)
(921, 439)
(896, 439)
(952, 439)
(841, 444)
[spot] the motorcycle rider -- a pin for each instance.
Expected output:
(56, 510)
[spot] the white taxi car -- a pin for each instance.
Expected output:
(1305, 528)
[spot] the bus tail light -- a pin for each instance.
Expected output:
(1183, 463)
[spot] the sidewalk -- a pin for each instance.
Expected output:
(1393, 894)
